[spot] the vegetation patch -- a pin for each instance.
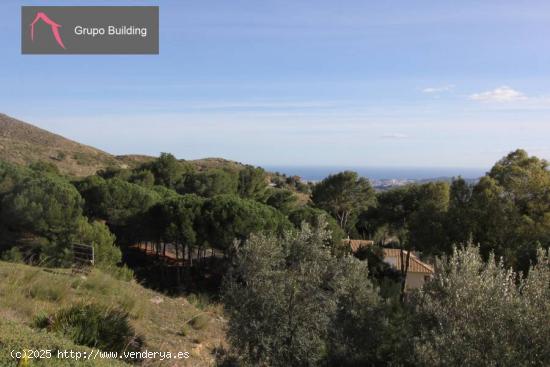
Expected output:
(95, 326)
(15, 336)
(200, 321)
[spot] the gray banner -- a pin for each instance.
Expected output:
(89, 30)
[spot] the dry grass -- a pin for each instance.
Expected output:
(24, 144)
(167, 324)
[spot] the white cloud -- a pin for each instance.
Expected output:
(445, 88)
(394, 136)
(500, 94)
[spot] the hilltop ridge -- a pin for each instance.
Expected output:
(24, 144)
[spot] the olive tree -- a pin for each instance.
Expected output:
(477, 313)
(285, 295)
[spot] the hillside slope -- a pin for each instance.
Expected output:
(166, 324)
(23, 143)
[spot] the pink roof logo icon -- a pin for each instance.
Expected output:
(53, 25)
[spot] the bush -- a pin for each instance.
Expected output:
(17, 336)
(47, 291)
(123, 272)
(41, 321)
(484, 314)
(95, 326)
(284, 296)
(199, 322)
(13, 255)
(200, 301)
(185, 330)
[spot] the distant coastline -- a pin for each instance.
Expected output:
(313, 173)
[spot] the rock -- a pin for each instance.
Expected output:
(157, 300)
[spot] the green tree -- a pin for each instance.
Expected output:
(415, 217)
(143, 177)
(97, 234)
(178, 222)
(167, 170)
(344, 195)
(45, 167)
(477, 313)
(314, 217)
(165, 193)
(210, 183)
(50, 208)
(117, 201)
(10, 175)
(46, 205)
(426, 223)
(227, 217)
(283, 295)
(252, 183)
(121, 204)
(492, 216)
(357, 325)
(460, 216)
(115, 172)
(281, 199)
(512, 208)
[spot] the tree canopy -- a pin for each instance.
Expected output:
(228, 217)
(45, 205)
(210, 183)
(344, 195)
(484, 314)
(284, 296)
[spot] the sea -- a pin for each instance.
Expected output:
(313, 173)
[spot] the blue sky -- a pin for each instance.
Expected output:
(324, 83)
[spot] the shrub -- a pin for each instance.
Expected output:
(47, 290)
(484, 314)
(200, 301)
(283, 296)
(185, 330)
(41, 321)
(95, 326)
(199, 322)
(13, 255)
(123, 272)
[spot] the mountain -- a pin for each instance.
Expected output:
(23, 143)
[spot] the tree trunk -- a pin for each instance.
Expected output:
(404, 271)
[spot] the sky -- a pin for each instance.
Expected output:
(291, 82)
